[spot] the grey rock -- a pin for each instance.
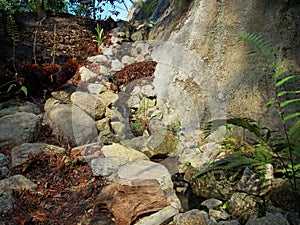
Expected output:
(212, 203)
(138, 143)
(108, 98)
(118, 128)
(139, 35)
(16, 182)
(144, 90)
(19, 154)
(114, 114)
(140, 58)
(51, 102)
(148, 91)
(104, 70)
(251, 184)
(89, 103)
(86, 74)
(147, 170)
(88, 149)
(19, 128)
(213, 184)
(103, 126)
(231, 222)
(4, 164)
(96, 88)
(5, 172)
(3, 160)
(126, 60)
(116, 66)
(134, 101)
(172, 164)
(213, 69)
(134, 52)
(64, 94)
(198, 157)
(269, 219)
(142, 47)
(19, 107)
(98, 58)
(123, 154)
(218, 214)
(6, 203)
(245, 206)
(158, 217)
(106, 167)
(107, 51)
(71, 123)
(194, 217)
(105, 136)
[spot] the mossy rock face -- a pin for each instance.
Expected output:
(163, 144)
(213, 184)
(243, 206)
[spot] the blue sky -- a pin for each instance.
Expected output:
(121, 8)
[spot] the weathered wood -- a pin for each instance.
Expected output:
(128, 203)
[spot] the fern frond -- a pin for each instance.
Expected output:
(12, 29)
(233, 163)
(284, 80)
(291, 102)
(245, 123)
(281, 93)
(291, 116)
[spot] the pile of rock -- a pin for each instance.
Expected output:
(98, 120)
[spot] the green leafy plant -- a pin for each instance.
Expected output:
(270, 66)
(13, 33)
(99, 38)
(13, 84)
(148, 9)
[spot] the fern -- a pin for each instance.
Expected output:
(273, 68)
(245, 123)
(148, 8)
(234, 165)
(280, 77)
(13, 33)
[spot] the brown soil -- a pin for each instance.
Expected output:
(65, 195)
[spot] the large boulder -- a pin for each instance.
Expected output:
(194, 217)
(20, 153)
(145, 170)
(204, 72)
(71, 124)
(12, 107)
(89, 103)
(18, 128)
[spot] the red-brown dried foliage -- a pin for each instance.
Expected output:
(46, 77)
(65, 193)
(134, 71)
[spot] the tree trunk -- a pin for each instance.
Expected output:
(40, 8)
